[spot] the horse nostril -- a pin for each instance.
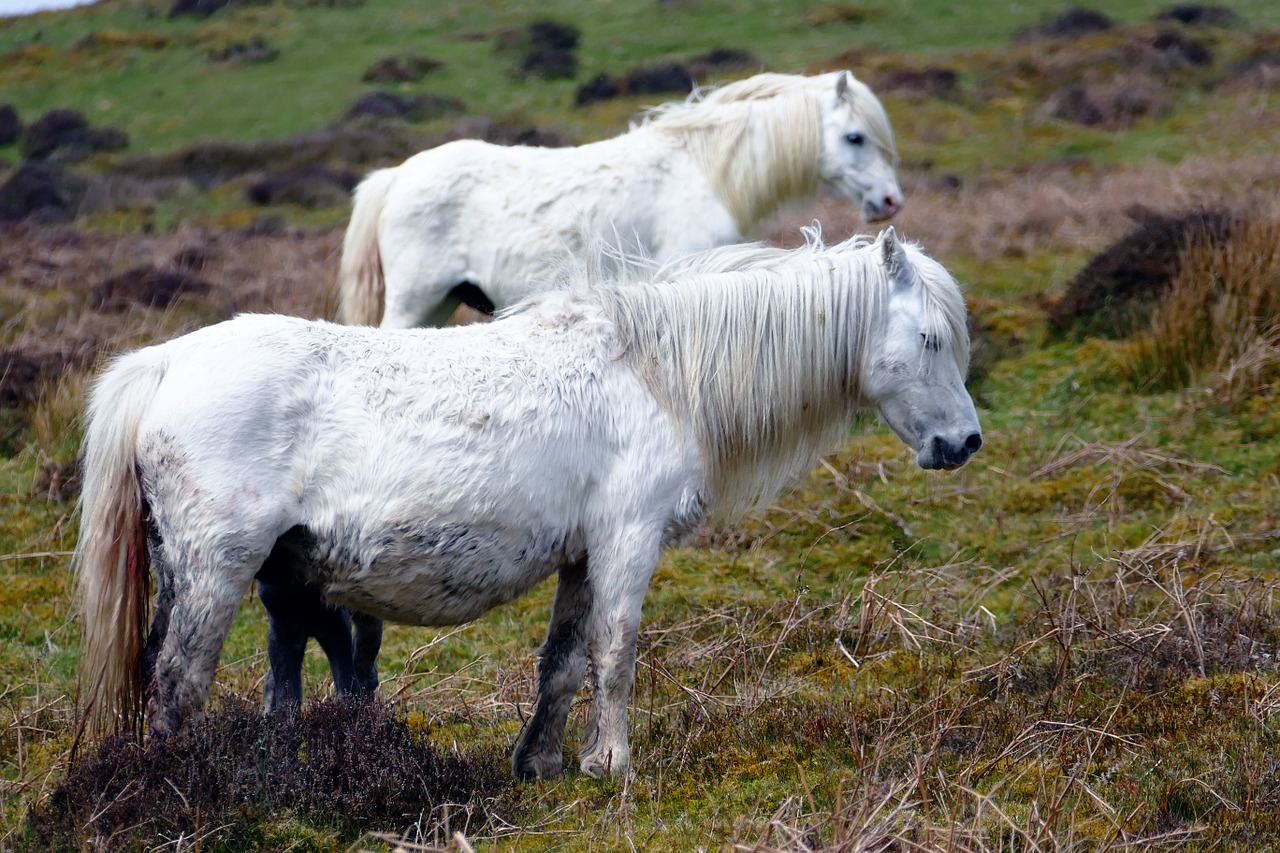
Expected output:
(973, 443)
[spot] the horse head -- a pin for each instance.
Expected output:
(858, 158)
(915, 370)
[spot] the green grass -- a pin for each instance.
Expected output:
(170, 96)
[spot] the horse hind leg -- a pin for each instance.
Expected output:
(286, 644)
(205, 595)
(423, 287)
(562, 665)
(368, 642)
(163, 608)
(296, 611)
(331, 626)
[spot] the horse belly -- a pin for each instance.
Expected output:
(431, 573)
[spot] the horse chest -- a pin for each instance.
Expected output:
(433, 573)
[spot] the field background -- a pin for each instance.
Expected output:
(1069, 644)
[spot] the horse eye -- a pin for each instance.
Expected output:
(931, 342)
(854, 138)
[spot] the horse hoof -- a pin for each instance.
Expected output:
(604, 766)
(528, 768)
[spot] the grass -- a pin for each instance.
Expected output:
(146, 85)
(1069, 644)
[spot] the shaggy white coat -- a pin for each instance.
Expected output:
(694, 175)
(430, 475)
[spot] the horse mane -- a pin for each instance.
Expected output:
(759, 140)
(757, 352)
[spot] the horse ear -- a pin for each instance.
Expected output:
(843, 86)
(894, 257)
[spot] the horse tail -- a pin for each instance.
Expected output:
(361, 285)
(111, 562)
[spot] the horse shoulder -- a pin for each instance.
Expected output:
(654, 467)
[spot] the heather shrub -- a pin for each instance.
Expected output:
(225, 778)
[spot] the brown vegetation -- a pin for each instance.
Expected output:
(670, 77)
(342, 764)
(401, 69)
(68, 132)
(1118, 289)
(1221, 312)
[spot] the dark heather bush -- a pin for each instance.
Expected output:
(346, 765)
(549, 63)
(407, 69)
(40, 190)
(601, 87)
(68, 130)
(413, 108)
(1200, 15)
(554, 35)
(658, 79)
(10, 124)
(307, 186)
(1075, 21)
(145, 286)
(1116, 290)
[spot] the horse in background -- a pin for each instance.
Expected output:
(296, 612)
(486, 225)
(426, 476)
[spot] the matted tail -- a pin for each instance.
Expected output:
(111, 561)
(361, 286)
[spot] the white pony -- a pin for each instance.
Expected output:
(479, 223)
(426, 476)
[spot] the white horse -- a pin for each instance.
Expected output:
(478, 223)
(426, 476)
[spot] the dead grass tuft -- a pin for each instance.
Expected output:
(1221, 313)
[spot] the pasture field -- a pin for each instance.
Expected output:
(1070, 644)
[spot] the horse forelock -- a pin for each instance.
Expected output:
(867, 107)
(759, 361)
(945, 313)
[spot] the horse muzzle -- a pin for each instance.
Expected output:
(948, 454)
(874, 210)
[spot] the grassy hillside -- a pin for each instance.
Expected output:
(1069, 644)
(127, 64)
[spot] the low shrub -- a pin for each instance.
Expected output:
(223, 778)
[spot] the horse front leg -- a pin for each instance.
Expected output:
(620, 577)
(562, 664)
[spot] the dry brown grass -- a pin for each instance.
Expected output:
(1222, 311)
(1068, 207)
(1047, 717)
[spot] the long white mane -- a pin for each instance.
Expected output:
(759, 140)
(757, 351)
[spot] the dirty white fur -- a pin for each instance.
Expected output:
(429, 475)
(692, 176)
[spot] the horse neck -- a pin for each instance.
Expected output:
(757, 153)
(761, 369)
